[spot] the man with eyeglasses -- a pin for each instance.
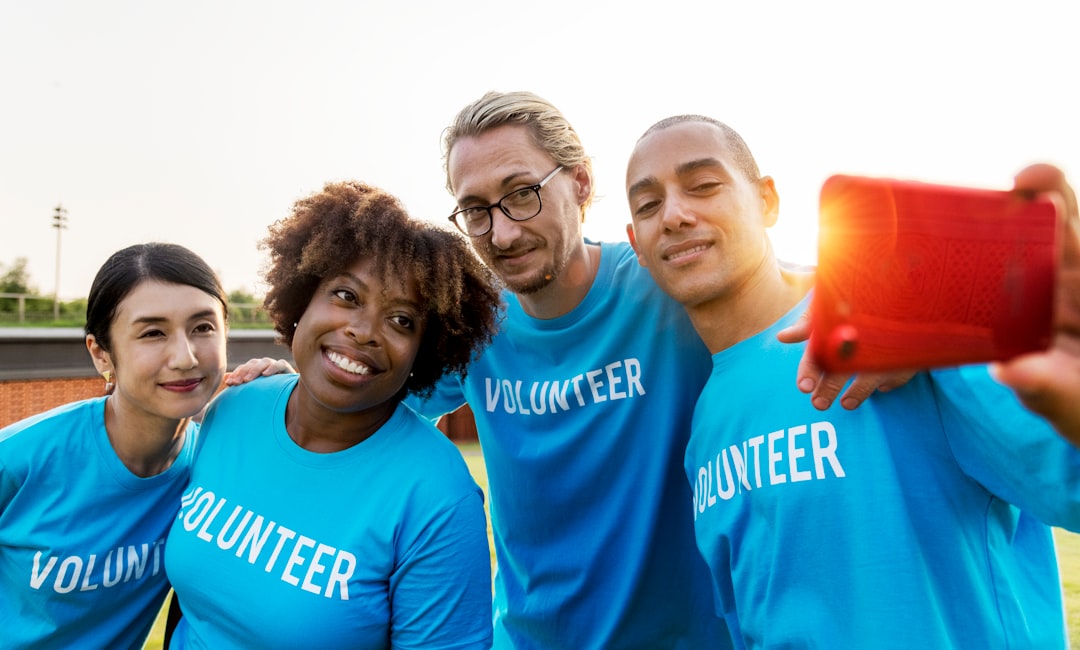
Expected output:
(582, 402)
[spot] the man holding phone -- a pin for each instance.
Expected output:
(910, 522)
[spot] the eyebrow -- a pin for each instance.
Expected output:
(395, 302)
(694, 165)
(504, 183)
(149, 320)
(680, 170)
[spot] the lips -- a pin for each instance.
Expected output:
(684, 250)
(514, 257)
(183, 385)
(350, 366)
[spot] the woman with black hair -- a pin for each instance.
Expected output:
(88, 490)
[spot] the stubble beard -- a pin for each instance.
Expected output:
(534, 283)
(528, 285)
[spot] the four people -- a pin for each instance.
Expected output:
(583, 402)
(322, 511)
(919, 520)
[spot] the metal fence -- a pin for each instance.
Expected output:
(28, 309)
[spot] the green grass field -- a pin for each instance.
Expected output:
(1068, 554)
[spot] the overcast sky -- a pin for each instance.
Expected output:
(201, 122)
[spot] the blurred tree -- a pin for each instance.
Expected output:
(16, 278)
(246, 308)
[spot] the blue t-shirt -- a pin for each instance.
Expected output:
(583, 421)
(81, 537)
(911, 522)
(380, 545)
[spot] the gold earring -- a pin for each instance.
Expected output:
(108, 376)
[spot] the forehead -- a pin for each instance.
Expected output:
(494, 159)
(154, 299)
(665, 150)
(397, 285)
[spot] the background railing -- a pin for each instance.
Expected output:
(29, 309)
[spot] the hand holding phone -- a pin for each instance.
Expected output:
(916, 275)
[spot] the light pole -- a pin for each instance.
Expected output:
(59, 221)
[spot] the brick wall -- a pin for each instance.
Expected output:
(26, 397)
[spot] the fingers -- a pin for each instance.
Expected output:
(825, 387)
(253, 368)
(797, 332)
(865, 384)
(811, 378)
(1048, 384)
(829, 386)
(895, 379)
(279, 367)
(1050, 181)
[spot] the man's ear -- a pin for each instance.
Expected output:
(582, 183)
(770, 201)
(633, 244)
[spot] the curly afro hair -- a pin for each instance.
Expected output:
(329, 230)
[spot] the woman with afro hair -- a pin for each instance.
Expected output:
(322, 511)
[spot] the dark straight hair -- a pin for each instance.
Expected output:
(127, 268)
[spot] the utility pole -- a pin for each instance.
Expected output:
(59, 221)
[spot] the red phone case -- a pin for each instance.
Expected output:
(915, 275)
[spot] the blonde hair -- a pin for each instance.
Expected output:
(550, 130)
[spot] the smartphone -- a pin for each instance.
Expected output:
(916, 275)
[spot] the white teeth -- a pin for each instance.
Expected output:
(347, 364)
(695, 249)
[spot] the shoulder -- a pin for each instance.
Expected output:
(621, 256)
(60, 434)
(433, 458)
(620, 268)
(62, 418)
(263, 388)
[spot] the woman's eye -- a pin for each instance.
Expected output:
(204, 328)
(344, 294)
(403, 321)
(149, 334)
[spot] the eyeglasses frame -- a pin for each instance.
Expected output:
(498, 204)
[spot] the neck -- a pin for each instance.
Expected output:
(569, 287)
(321, 430)
(146, 445)
(749, 307)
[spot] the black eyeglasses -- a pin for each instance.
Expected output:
(520, 205)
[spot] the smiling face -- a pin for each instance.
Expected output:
(356, 342)
(167, 351)
(527, 256)
(698, 221)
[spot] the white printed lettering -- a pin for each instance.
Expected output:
(795, 453)
(825, 451)
(37, 576)
(720, 477)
